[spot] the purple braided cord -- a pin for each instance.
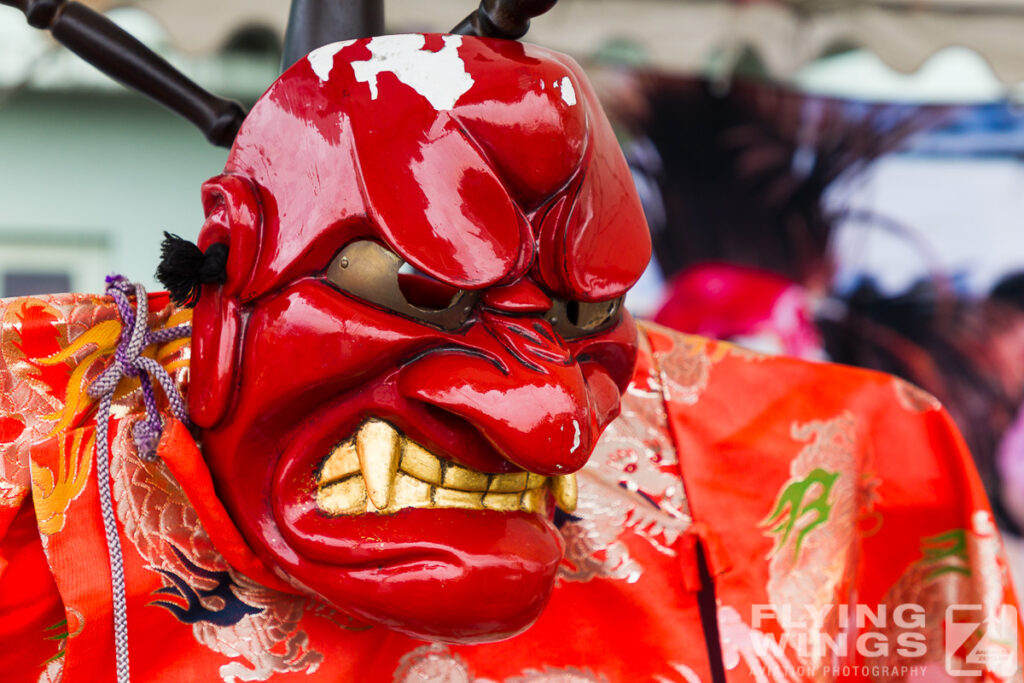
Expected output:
(129, 362)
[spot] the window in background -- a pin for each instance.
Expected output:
(50, 264)
(25, 283)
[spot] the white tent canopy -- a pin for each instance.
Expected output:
(677, 35)
(682, 36)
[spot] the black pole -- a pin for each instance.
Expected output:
(509, 19)
(315, 23)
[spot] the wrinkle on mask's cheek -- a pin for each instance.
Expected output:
(314, 337)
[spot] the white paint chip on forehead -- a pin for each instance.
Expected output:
(322, 59)
(440, 76)
(568, 92)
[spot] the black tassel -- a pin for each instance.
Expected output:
(184, 268)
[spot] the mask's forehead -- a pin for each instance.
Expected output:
(456, 148)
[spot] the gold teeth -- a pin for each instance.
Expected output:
(379, 448)
(380, 471)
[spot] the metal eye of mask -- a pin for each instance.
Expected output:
(574, 319)
(372, 272)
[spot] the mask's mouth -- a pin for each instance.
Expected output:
(395, 535)
(380, 471)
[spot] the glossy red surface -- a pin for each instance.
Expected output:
(499, 173)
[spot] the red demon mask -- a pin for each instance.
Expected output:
(420, 337)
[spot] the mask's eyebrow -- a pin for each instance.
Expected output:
(442, 208)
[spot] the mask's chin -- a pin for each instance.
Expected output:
(389, 533)
(443, 574)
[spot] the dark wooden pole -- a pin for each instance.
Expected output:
(116, 53)
(315, 23)
(503, 18)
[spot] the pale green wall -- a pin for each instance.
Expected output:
(107, 172)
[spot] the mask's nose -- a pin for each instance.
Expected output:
(523, 390)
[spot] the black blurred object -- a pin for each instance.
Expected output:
(99, 41)
(315, 23)
(746, 170)
(1010, 290)
(502, 18)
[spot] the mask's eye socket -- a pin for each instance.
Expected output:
(374, 273)
(574, 319)
(423, 291)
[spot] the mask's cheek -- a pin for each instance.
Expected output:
(302, 348)
(311, 343)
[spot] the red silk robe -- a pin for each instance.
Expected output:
(837, 509)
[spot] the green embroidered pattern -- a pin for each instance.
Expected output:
(947, 552)
(804, 502)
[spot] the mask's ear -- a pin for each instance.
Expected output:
(234, 218)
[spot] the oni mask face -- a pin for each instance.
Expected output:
(420, 338)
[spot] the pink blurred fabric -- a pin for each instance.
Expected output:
(749, 306)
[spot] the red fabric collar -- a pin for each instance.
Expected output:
(180, 452)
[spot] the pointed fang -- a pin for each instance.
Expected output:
(378, 446)
(565, 491)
